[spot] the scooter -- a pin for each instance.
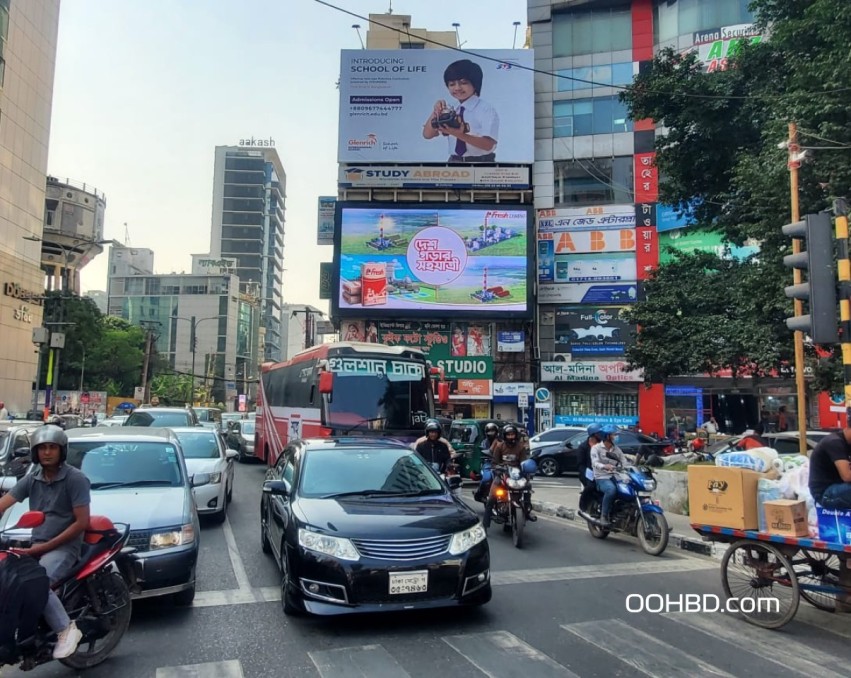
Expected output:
(95, 595)
(634, 512)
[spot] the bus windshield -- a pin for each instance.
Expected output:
(379, 394)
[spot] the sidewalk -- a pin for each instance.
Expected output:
(562, 502)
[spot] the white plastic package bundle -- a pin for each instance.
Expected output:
(759, 459)
(767, 490)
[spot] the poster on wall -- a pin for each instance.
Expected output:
(586, 218)
(436, 106)
(325, 220)
(589, 293)
(591, 331)
(511, 342)
(427, 261)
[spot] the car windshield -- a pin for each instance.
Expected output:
(155, 418)
(198, 445)
(205, 415)
(380, 471)
(122, 463)
(247, 428)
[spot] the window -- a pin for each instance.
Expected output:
(412, 45)
(608, 30)
(4, 35)
(602, 115)
(597, 181)
(619, 74)
(683, 17)
(597, 404)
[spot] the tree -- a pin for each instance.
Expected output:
(172, 389)
(118, 357)
(720, 162)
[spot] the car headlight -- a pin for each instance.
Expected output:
(337, 547)
(164, 540)
(215, 478)
(464, 541)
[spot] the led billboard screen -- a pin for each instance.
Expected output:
(427, 260)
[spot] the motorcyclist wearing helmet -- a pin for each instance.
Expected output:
(422, 439)
(510, 451)
(586, 473)
(433, 448)
(62, 493)
(491, 436)
(605, 456)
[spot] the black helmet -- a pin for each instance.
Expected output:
(432, 425)
(48, 434)
(510, 428)
(491, 428)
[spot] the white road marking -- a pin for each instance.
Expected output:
(650, 656)
(235, 559)
(367, 661)
(227, 669)
(773, 646)
(501, 654)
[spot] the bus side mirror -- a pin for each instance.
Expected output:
(326, 382)
(443, 393)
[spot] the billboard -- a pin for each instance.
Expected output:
(586, 218)
(206, 264)
(591, 331)
(463, 350)
(411, 176)
(436, 106)
(428, 260)
(714, 47)
(589, 371)
(700, 240)
(325, 220)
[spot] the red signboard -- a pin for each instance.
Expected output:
(646, 251)
(646, 178)
(84, 398)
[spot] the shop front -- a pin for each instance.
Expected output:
(593, 392)
(513, 401)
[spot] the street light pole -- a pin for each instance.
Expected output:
(193, 323)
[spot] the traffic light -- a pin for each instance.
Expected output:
(819, 289)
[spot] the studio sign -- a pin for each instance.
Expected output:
(15, 291)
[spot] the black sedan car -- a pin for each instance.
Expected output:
(364, 525)
(553, 461)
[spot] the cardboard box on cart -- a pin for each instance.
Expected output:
(786, 517)
(723, 496)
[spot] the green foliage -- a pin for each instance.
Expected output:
(172, 389)
(721, 154)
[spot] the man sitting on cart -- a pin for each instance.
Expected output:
(830, 471)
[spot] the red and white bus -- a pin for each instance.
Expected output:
(345, 388)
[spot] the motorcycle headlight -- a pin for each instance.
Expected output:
(164, 540)
(514, 473)
(337, 547)
(649, 484)
(464, 541)
(516, 483)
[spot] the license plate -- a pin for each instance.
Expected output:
(408, 582)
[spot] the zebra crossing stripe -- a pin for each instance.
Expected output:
(367, 661)
(643, 652)
(773, 646)
(503, 655)
(227, 669)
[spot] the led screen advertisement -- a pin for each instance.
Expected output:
(425, 261)
(437, 106)
(584, 331)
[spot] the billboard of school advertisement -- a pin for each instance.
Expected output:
(591, 331)
(437, 106)
(699, 240)
(464, 350)
(424, 261)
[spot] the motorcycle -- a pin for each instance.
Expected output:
(633, 512)
(513, 496)
(94, 594)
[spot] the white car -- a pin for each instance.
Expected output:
(210, 466)
(115, 420)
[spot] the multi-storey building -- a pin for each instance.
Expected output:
(600, 225)
(28, 33)
(249, 194)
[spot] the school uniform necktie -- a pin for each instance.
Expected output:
(460, 146)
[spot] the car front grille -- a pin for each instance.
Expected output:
(405, 549)
(140, 539)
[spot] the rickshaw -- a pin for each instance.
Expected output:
(466, 436)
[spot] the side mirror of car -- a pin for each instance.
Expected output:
(21, 452)
(231, 454)
(280, 488)
(199, 479)
(454, 482)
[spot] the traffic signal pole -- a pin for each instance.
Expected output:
(800, 385)
(843, 271)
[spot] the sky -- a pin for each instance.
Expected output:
(145, 90)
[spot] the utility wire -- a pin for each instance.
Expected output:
(748, 97)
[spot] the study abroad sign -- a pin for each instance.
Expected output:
(415, 176)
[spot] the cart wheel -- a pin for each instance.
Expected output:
(817, 570)
(762, 580)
